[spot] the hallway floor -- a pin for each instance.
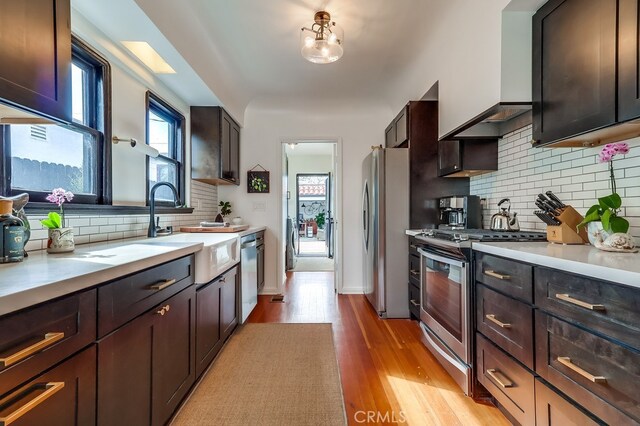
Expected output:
(387, 375)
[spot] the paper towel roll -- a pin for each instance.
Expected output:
(142, 148)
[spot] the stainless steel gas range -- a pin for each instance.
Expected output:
(446, 294)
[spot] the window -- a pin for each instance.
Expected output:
(38, 158)
(165, 132)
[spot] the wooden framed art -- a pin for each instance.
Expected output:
(258, 181)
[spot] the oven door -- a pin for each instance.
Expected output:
(444, 301)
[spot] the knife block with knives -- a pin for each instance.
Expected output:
(561, 219)
(566, 233)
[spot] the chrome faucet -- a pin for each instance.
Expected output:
(153, 229)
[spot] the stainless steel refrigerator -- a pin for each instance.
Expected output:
(385, 217)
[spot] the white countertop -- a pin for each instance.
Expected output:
(42, 276)
(622, 268)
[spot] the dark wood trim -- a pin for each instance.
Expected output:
(94, 209)
(100, 127)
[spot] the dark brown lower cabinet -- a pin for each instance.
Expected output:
(552, 409)
(228, 302)
(208, 337)
(146, 367)
(65, 395)
(216, 316)
(510, 383)
(597, 373)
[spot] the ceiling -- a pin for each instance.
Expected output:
(243, 51)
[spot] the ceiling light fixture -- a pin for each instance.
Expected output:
(148, 56)
(322, 43)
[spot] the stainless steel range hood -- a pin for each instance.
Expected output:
(512, 107)
(495, 122)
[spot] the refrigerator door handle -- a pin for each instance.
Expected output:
(365, 216)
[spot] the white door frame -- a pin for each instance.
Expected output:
(337, 258)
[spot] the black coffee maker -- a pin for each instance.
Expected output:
(462, 212)
(12, 234)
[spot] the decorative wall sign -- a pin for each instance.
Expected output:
(258, 180)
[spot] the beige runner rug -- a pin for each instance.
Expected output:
(270, 374)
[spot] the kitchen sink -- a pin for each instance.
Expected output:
(220, 252)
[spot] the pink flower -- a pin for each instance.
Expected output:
(610, 150)
(59, 196)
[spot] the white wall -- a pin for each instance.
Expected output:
(305, 164)
(356, 126)
(573, 174)
(462, 51)
(130, 83)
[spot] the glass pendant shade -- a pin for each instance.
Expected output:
(323, 42)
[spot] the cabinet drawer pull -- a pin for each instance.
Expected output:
(567, 298)
(414, 272)
(494, 274)
(493, 319)
(50, 389)
(161, 285)
(49, 339)
(499, 378)
(163, 310)
(566, 361)
(414, 303)
(413, 246)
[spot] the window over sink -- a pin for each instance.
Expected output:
(39, 157)
(166, 133)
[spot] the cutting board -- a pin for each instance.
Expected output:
(215, 229)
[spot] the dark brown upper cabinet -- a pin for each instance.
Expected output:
(628, 60)
(35, 58)
(467, 157)
(586, 84)
(215, 146)
(397, 132)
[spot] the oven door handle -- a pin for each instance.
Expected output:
(442, 259)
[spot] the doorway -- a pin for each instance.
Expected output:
(310, 206)
(313, 208)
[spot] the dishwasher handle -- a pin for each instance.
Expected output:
(248, 245)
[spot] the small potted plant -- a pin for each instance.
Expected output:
(60, 237)
(225, 210)
(604, 218)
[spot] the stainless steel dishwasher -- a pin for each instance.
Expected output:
(249, 276)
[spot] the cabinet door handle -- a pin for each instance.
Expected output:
(162, 311)
(494, 274)
(413, 246)
(223, 280)
(565, 297)
(493, 319)
(499, 378)
(49, 339)
(50, 389)
(414, 303)
(161, 285)
(414, 272)
(566, 361)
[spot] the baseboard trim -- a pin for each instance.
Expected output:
(269, 291)
(352, 290)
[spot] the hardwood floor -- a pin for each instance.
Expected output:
(387, 375)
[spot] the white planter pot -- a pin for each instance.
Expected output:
(592, 230)
(60, 240)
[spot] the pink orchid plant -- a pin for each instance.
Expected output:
(608, 207)
(58, 196)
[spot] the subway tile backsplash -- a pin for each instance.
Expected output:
(91, 229)
(573, 174)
